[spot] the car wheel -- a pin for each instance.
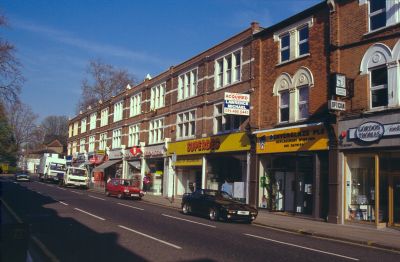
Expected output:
(107, 193)
(186, 209)
(120, 195)
(213, 214)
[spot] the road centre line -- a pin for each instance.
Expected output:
(130, 206)
(307, 248)
(96, 197)
(65, 204)
(62, 188)
(90, 214)
(187, 220)
(145, 235)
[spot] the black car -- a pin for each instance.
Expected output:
(217, 205)
(22, 176)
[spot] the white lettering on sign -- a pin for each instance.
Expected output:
(336, 105)
(370, 131)
(236, 104)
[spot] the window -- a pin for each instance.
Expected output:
(116, 139)
(226, 123)
(293, 95)
(92, 140)
(83, 125)
(82, 146)
(157, 96)
(303, 41)
(186, 124)
(187, 84)
(74, 147)
(284, 102)
(70, 131)
(379, 87)
(303, 102)
(118, 110)
(69, 151)
(103, 141)
(104, 117)
(134, 135)
(156, 131)
(377, 14)
(76, 128)
(135, 107)
(285, 47)
(93, 119)
(228, 69)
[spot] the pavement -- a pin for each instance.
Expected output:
(386, 238)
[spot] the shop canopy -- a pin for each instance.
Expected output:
(103, 166)
(135, 164)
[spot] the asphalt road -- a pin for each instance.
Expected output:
(68, 224)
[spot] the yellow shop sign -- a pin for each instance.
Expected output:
(189, 161)
(302, 138)
(214, 144)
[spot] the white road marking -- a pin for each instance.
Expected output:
(156, 239)
(187, 220)
(65, 204)
(130, 206)
(307, 248)
(90, 214)
(75, 192)
(44, 249)
(96, 197)
(62, 188)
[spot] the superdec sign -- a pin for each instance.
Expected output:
(237, 104)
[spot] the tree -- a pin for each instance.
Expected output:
(11, 78)
(105, 82)
(22, 121)
(8, 147)
(55, 127)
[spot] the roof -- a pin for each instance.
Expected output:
(54, 143)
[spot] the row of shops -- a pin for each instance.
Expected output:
(292, 168)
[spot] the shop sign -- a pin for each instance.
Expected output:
(189, 161)
(115, 154)
(96, 159)
(100, 152)
(215, 144)
(154, 151)
(373, 131)
(336, 105)
(133, 152)
(81, 157)
(302, 138)
(237, 104)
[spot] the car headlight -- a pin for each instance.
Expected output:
(126, 190)
(231, 211)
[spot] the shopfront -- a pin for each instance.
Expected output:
(96, 177)
(154, 157)
(133, 165)
(370, 149)
(211, 162)
(109, 169)
(293, 169)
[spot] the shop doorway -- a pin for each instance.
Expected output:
(394, 200)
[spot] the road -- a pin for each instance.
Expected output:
(68, 224)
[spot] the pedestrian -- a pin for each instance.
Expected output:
(109, 179)
(146, 183)
(227, 187)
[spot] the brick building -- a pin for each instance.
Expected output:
(299, 151)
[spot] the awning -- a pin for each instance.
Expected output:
(135, 164)
(103, 166)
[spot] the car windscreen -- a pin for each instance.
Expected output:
(57, 167)
(218, 194)
(126, 182)
(78, 172)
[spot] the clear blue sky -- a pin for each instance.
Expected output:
(55, 39)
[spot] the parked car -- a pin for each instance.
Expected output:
(217, 205)
(22, 176)
(124, 188)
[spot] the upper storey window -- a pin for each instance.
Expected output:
(294, 40)
(187, 84)
(157, 96)
(382, 13)
(83, 125)
(379, 87)
(93, 119)
(228, 69)
(118, 111)
(76, 128)
(135, 107)
(104, 117)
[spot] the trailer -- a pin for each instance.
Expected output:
(51, 167)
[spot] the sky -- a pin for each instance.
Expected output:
(56, 39)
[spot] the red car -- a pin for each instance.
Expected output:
(123, 188)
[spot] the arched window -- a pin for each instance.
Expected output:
(375, 63)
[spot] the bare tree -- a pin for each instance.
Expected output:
(11, 78)
(55, 127)
(105, 81)
(22, 121)
(8, 147)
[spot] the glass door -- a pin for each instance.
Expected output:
(395, 200)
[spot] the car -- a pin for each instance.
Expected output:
(217, 205)
(124, 188)
(22, 176)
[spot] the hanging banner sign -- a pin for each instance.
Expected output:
(237, 104)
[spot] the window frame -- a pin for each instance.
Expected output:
(103, 141)
(83, 125)
(118, 111)
(184, 124)
(104, 117)
(225, 119)
(157, 96)
(225, 73)
(92, 143)
(82, 143)
(288, 106)
(378, 87)
(374, 14)
(116, 138)
(93, 119)
(187, 84)
(133, 135)
(135, 105)
(156, 131)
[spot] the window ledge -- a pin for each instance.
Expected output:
(380, 109)
(186, 98)
(231, 84)
(293, 60)
(227, 132)
(379, 30)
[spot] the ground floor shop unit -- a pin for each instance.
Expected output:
(216, 162)
(293, 169)
(370, 160)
